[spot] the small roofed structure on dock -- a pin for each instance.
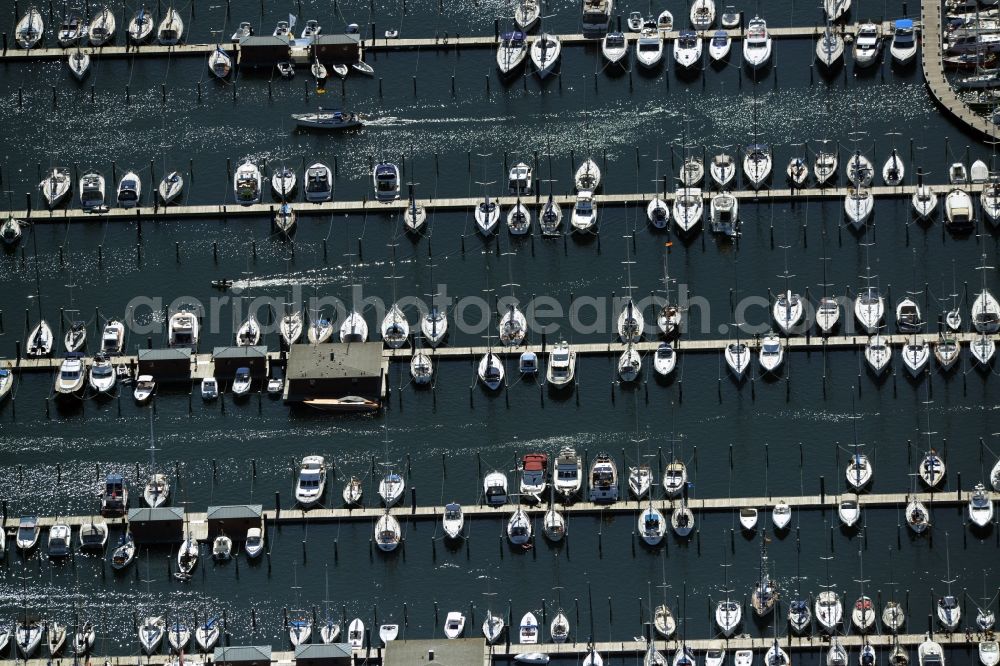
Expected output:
(234, 521)
(319, 654)
(243, 655)
(228, 360)
(340, 377)
(166, 365)
(160, 525)
(263, 51)
(457, 652)
(337, 49)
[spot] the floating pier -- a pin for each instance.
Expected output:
(228, 210)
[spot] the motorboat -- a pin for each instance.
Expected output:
(867, 44)
(495, 488)
(434, 326)
(614, 48)
(723, 170)
(253, 547)
(388, 533)
(584, 216)
(869, 308)
(545, 53)
(932, 469)
(129, 190)
(290, 327)
(664, 359)
(244, 31)
(649, 48)
(904, 43)
(787, 311)
(534, 470)
(958, 174)
(568, 474)
(930, 653)
(878, 354)
(453, 520)
(242, 382)
(519, 179)
(511, 52)
(183, 329)
(171, 28)
(487, 215)
(170, 187)
(858, 205)
(849, 512)
(354, 328)
(720, 45)
(311, 483)
(387, 633)
(688, 208)
(958, 211)
(702, 14)
(664, 22)
(743, 658)
(390, 488)
(989, 652)
(772, 354)
(715, 657)
(60, 540)
(748, 518)
(247, 184)
(385, 179)
(757, 164)
(283, 182)
(92, 191)
(56, 187)
(781, 515)
(328, 120)
(688, 47)
(519, 528)
(980, 507)
(527, 632)
(757, 44)
(596, 17)
(603, 479)
(102, 27)
(140, 26)
(829, 48)
(29, 29)
(979, 172)
(311, 29)
(72, 377)
(561, 366)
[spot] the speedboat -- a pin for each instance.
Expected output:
(980, 506)
(129, 190)
(867, 44)
(545, 53)
(878, 354)
(183, 329)
(247, 184)
(242, 382)
(614, 47)
(385, 178)
(584, 216)
(312, 481)
(511, 52)
(244, 31)
(568, 474)
(454, 625)
(979, 172)
(930, 653)
(989, 652)
(649, 48)
(386, 632)
(171, 28)
(664, 22)
(561, 366)
(534, 472)
(904, 44)
(495, 488)
(328, 120)
(748, 518)
(720, 45)
(771, 353)
(849, 512)
(145, 386)
(71, 377)
(311, 29)
(958, 174)
(283, 182)
(209, 388)
(453, 520)
(687, 47)
(757, 44)
(603, 479)
(958, 211)
(664, 360)
(757, 164)
(60, 540)
(781, 515)
(635, 21)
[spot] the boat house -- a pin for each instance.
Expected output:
(336, 376)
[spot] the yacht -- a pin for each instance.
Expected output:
(519, 179)
(829, 611)
(584, 217)
(183, 329)
(687, 48)
(92, 193)
(737, 358)
(702, 14)
(836, 8)
(904, 43)
(893, 170)
(867, 44)
(990, 200)
(878, 353)
(528, 629)
(723, 170)
(663, 621)
(71, 29)
(311, 29)
(640, 479)
(526, 14)
(781, 515)
(102, 27)
(829, 48)
(869, 308)
(825, 167)
(757, 164)
(859, 471)
(220, 63)
(550, 218)
(247, 184)
(102, 374)
(290, 327)
(787, 311)
(587, 176)
(947, 351)
(728, 615)
(354, 328)
(858, 205)
(596, 17)
(140, 27)
(958, 174)
(170, 187)
(385, 179)
(986, 313)
(283, 182)
(908, 317)
(561, 367)
(932, 469)
(511, 52)
(487, 215)
(390, 488)
(568, 474)
(614, 48)
(649, 48)
(980, 507)
(534, 474)
(629, 364)
(688, 208)
(554, 525)
(493, 627)
(519, 528)
(797, 171)
(491, 371)
(930, 653)
(10, 231)
(388, 533)
(312, 481)
(318, 183)
(603, 479)
(519, 220)
(772, 354)
(545, 54)
(827, 314)
(983, 349)
(630, 322)
(674, 478)
(171, 28)
(757, 44)
(434, 326)
(395, 328)
(719, 46)
(72, 376)
(924, 202)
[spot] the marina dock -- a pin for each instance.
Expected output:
(764, 195)
(202, 364)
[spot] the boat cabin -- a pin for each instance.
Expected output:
(114, 499)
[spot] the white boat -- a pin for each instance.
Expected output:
(743, 658)
(545, 53)
(311, 29)
(559, 627)
(629, 365)
(904, 43)
(354, 328)
(390, 488)
(59, 541)
(930, 653)
(825, 166)
(858, 205)
(140, 27)
(737, 356)
(353, 491)
(6, 384)
(311, 483)
(453, 520)
(247, 184)
(781, 515)
(983, 348)
(664, 359)
(947, 352)
(171, 28)
(170, 187)
(849, 512)
(356, 634)
(388, 533)
(683, 656)
(10, 231)
(434, 326)
(587, 176)
(664, 22)
(511, 52)
(924, 202)
(550, 217)
(584, 216)
(395, 328)
(102, 27)
(513, 327)
(487, 215)
(980, 506)
(859, 471)
(757, 44)
(561, 366)
(834, 9)
(283, 182)
(893, 170)
(29, 29)
(526, 14)
(300, 630)
(593, 658)
(990, 201)
(728, 615)
(56, 187)
(979, 172)
(863, 614)
(630, 322)
(328, 120)
(385, 180)
(388, 633)
(83, 638)
(829, 611)
(248, 333)
(663, 621)
(958, 174)
(985, 313)
(649, 48)
(124, 552)
(40, 340)
(787, 311)
(932, 469)
(79, 64)
(867, 44)
(614, 47)
(491, 371)
(720, 45)
(772, 354)
(869, 308)
(715, 657)
(187, 555)
(129, 190)
(949, 612)
(534, 473)
(878, 354)
(493, 627)
(219, 63)
(682, 520)
(554, 526)
(688, 47)
(829, 47)
(421, 368)
(495, 488)
(569, 474)
(916, 355)
(178, 636)
(603, 479)
(722, 169)
(72, 376)
(290, 327)
(527, 633)
(702, 14)
(757, 164)
(151, 633)
(454, 625)
(253, 547)
(688, 208)
(989, 653)
(893, 617)
(958, 211)
(827, 314)
(519, 528)
(748, 518)
(183, 329)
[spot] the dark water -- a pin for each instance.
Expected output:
(782, 434)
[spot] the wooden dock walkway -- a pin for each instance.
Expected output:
(931, 60)
(203, 364)
(439, 42)
(823, 502)
(365, 206)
